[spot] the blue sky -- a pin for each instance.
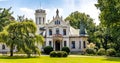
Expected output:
(27, 7)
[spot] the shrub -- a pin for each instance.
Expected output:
(111, 52)
(90, 51)
(117, 55)
(48, 49)
(66, 49)
(58, 54)
(53, 54)
(101, 51)
(65, 54)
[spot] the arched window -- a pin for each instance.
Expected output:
(3, 46)
(57, 22)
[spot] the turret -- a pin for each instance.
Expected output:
(40, 16)
(82, 31)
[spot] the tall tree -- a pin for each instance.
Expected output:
(110, 18)
(76, 17)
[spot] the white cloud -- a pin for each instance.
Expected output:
(67, 7)
(29, 13)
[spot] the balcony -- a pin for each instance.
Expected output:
(57, 37)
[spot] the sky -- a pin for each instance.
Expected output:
(65, 7)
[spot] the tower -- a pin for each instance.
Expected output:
(40, 17)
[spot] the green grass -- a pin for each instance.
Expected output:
(47, 59)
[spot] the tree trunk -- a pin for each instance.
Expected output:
(11, 50)
(28, 55)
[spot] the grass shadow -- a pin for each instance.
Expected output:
(17, 57)
(116, 59)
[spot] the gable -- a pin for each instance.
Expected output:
(57, 22)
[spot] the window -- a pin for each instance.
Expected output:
(64, 31)
(39, 20)
(84, 44)
(64, 43)
(3, 46)
(73, 45)
(50, 43)
(50, 31)
(79, 44)
(43, 20)
(57, 30)
(57, 22)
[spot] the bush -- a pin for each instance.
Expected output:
(101, 51)
(66, 49)
(48, 49)
(53, 54)
(117, 55)
(90, 51)
(58, 54)
(111, 52)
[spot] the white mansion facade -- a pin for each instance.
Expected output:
(58, 33)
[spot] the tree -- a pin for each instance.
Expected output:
(110, 18)
(76, 17)
(22, 34)
(5, 17)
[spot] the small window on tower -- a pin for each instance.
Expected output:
(43, 20)
(39, 20)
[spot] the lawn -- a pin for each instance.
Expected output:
(71, 59)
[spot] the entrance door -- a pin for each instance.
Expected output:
(57, 45)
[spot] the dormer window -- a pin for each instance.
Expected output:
(57, 22)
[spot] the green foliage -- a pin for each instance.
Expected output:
(111, 52)
(48, 49)
(53, 54)
(76, 17)
(58, 54)
(5, 18)
(117, 55)
(110, 18)
(90, 51)
(22, 34)
(66, 49)
(101, 51)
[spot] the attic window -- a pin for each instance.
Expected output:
(57, 22)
